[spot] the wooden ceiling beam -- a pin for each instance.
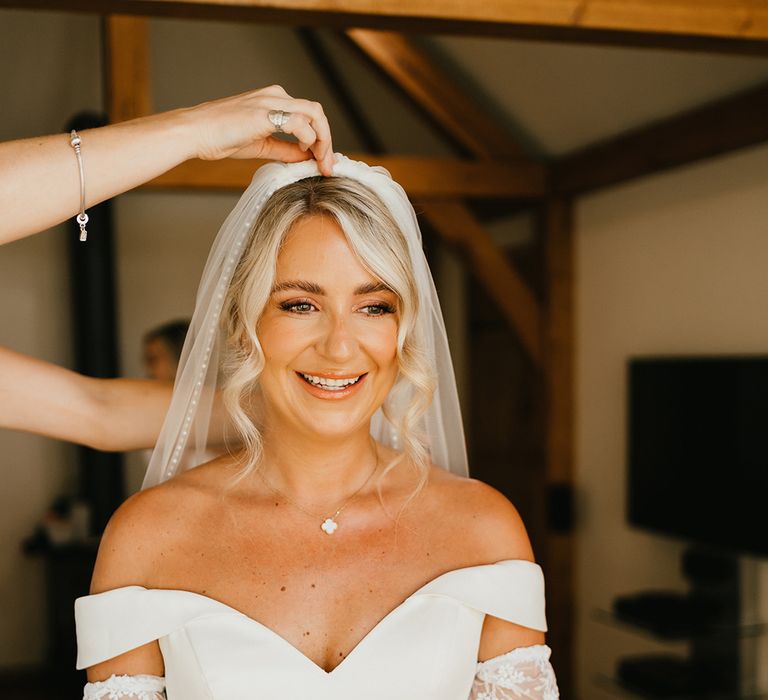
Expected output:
(127, 74)
(710, 25)
(446, 104)
(714, 129)
(457, 114)
(458, 226)
(421, 177)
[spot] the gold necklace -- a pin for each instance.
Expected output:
(329, 524)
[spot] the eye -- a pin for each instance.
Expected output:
(379, 309)
(298, 307)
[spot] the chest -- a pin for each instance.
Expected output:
(323, 594)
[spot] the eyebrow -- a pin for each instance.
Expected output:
(313, 288)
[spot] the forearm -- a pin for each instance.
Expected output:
(106, 414)
(39, 179)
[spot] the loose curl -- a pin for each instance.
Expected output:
(380, 246)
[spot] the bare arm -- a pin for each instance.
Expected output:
(498, 533)
(107, 414)
(130, 548)
(39, 181)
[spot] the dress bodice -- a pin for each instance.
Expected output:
(424, 649)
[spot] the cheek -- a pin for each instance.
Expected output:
(280, 337)
(382, 344)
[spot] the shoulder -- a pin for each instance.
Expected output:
(134, 539)
(483, 517)
(488, 528)
(148, 527)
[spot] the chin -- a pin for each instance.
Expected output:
(341, 428)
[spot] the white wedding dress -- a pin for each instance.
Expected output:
(424, 649)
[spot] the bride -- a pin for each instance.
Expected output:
(337, 549)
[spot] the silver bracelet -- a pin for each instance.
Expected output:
(82, 217)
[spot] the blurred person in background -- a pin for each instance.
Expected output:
(162, 349)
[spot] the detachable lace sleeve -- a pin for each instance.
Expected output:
(521, 674)
(126, 688)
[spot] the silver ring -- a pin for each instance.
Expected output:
(279, 119)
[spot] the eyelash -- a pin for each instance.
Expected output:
(290, 306)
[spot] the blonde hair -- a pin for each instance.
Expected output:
(380, 246)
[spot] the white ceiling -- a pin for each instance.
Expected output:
(559, 97)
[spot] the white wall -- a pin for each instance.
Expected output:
(675, 263)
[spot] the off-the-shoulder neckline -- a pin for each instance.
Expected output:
(280, 639)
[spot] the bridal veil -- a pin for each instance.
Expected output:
(183, 440)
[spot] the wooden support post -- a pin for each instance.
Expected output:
(558, 559)
(456, 224)
(128, 86)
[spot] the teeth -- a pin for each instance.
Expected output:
(334, 384)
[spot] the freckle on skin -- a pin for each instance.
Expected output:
(282, 588)
(313, 585)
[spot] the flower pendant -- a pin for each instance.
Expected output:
(329, 526)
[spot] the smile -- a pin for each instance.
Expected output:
(326, 386)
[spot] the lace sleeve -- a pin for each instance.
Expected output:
(521, 674)
(126, 688)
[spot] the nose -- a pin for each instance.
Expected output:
(337, 342)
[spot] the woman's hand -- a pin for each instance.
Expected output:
(239, 127)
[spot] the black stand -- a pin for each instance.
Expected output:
(708, 616)
(716, 588)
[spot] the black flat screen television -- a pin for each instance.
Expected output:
(698, 449)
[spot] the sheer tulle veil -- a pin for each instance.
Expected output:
(183, 439)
